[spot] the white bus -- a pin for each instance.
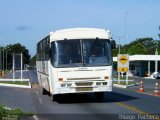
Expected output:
(77, 60)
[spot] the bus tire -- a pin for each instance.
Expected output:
(99, 96)
(44, 91)
(53, 97)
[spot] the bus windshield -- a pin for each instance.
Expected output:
(81, 53)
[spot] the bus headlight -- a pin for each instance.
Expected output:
(101, 83)
(104, 83)
(63, 85)
(98, 83)
(69, 84)
(66, 84)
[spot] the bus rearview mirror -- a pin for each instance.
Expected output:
(113, 44)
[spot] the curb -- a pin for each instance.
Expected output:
(119, 86)
(14, 85)
(123, 86)
(35, 117)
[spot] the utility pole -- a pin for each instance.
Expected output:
(6, 59)
(0, 59)
(21, 67)
(156, 53)
(119, 40)
(125, 28)
(159, 30)
(3, 59)
(13, 66)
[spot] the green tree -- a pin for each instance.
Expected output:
(137, 49)
(149, 44)
(33, 62)
(17, 49)
(159, 34)
(116, 51)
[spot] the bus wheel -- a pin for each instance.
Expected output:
(53, 97)
(99, 96)
(44, 91)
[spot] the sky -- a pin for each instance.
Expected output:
(28, 21)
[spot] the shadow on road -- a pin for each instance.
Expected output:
(90, 98)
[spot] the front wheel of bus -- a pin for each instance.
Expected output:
(53, 97)
(99, 96)
(44, 91)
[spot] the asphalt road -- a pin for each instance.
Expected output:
(79, 106)
(148, 85)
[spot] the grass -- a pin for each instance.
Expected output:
(124, 83)
(13, 114)
(15, 82)
(123, 80)
(7, 71)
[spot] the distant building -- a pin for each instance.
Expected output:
(143, 65)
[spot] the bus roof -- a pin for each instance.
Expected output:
(80, 33)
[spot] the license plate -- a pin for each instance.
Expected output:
(84, 89)
(84, 84)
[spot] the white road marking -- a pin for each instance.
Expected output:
(37, 93)
(35, 117)
(40, 100)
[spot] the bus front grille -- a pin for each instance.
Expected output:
(80, 89)
(90, 78)
(84, 84)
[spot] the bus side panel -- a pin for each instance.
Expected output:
(42, 72)
(52, 79)
(38, 73)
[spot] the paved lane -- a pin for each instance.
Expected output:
(13, 98)
(17, 75)
(120, 101)
(148, 85)
(77, 104)
(146, 103)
